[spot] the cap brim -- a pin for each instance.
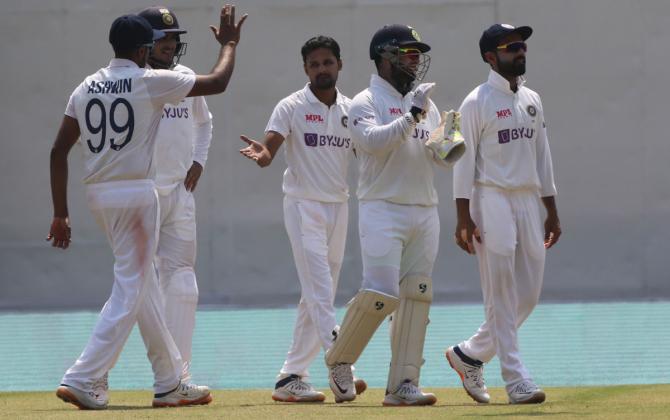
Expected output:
(420, 45)
(174, 31)
(524, 31)
(158, 34)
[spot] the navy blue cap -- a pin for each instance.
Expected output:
(162, 18)
(132, 31)
(397, 36)
(492, 36)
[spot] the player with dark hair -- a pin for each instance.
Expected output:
(115, 114)
(498, 186)
(183, 139)
(313, 123)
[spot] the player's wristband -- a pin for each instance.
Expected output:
(410, 119)
(416, 113)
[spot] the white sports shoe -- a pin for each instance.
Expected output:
(526, 392)
(341, 382)
(85, 400)
(408, 394)
(471, 373)
(184, 394)
(294, 389)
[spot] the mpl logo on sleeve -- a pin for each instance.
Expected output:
(311, 139)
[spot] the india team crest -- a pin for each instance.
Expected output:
(415, 34)
(167, 17)
(531, 110)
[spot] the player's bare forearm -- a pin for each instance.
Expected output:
(59, 173)
(68, 134)
(552, 225)
(217, 80)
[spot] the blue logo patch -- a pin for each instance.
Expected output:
(311, 139)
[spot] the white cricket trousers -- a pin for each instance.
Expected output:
(317, 232)
(511, 265)
(396, 240)
(128, 211)
(175, 260)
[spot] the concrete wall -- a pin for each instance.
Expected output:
(600, 66)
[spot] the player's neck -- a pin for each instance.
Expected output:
(327, 96)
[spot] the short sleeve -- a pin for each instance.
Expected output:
(166, 86)
(280, 120)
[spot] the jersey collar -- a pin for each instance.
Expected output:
(311, 98)
(377, 82)
(502, 84)
(122, 62)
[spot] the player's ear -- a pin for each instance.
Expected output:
(491, 58)
(339, 65)
(304, 67)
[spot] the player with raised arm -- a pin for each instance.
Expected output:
(115, 113)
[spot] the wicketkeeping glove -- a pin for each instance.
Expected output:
(446, 141)
(421, 95)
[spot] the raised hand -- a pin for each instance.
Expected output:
(228, 31)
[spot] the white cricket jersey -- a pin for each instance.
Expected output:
(318, 145)
(394, 163)
(506, 140)
(178, 136)
(118, 110)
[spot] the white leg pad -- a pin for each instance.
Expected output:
(408, 330)
(366, 312)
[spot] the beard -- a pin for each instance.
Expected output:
(324, 81)
(402, 81)
(515, 68)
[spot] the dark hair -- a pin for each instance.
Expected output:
(317, 42)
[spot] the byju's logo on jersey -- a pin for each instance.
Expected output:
(311, 139)
(505, 136)
(503, 113)
(313, 118)
(314, 140)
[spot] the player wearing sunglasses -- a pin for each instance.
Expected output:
(499, 183)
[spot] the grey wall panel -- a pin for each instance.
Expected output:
(599, 65)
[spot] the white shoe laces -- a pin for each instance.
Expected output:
(525, 387)
(299, 386)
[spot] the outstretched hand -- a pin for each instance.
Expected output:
(228, 31)
(256, 152)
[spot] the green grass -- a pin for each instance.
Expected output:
(630, 401)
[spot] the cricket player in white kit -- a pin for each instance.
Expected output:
(498, 185)
(313, 123)
(390, 123)
(183, 139)
(115, 113)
